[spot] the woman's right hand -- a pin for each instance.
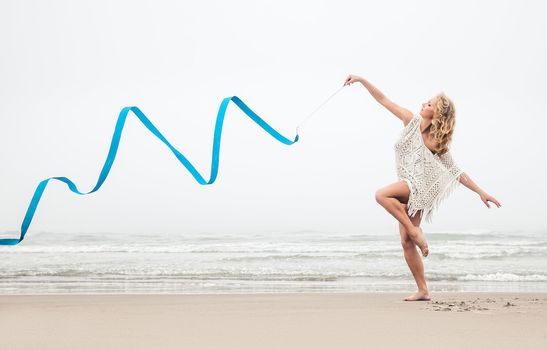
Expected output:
(485, 197)
(352, 79)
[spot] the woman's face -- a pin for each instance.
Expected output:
(428, 108)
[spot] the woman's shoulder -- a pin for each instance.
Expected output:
(412, 121)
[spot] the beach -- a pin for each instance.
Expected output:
(472, 320)
(278, 290)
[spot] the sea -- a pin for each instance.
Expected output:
(271, 262)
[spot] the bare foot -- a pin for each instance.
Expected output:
(418, 296)
(418, 237)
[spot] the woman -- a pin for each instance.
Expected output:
(426, 173)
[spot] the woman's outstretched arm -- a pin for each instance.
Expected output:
(402, 113)
(467, 182)
(448, 162)
(485, 197)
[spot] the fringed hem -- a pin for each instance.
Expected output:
(449, 188)
(411, 206)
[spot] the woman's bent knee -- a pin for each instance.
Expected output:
(379, 196)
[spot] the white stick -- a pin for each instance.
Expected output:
(322, 104)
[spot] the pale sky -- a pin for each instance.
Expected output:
(68, 68)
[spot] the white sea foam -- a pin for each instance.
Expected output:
(504, 277)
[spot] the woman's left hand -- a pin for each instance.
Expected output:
(485, 197)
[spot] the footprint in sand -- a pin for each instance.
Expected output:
(461, 306)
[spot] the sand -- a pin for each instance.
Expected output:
(274, 321)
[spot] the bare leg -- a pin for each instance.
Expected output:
(414, 262)
(392, 198)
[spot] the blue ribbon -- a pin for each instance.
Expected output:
(114, 148)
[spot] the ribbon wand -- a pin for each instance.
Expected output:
(321, 105)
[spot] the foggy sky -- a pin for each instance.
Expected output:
(68, 68)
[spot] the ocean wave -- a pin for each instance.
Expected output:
(500, 254)
(504, 277)
(283, 257)
(250, 247)
(197, 248)
(284, 252)
(150, 275)
(213, 274)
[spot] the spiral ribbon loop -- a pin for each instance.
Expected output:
(114, 149)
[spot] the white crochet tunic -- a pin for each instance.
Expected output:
(430, 178)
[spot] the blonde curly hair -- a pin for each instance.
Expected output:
(443, 122)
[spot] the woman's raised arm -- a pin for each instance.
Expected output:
(402, 113)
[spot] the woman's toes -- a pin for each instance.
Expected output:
(420, 241)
